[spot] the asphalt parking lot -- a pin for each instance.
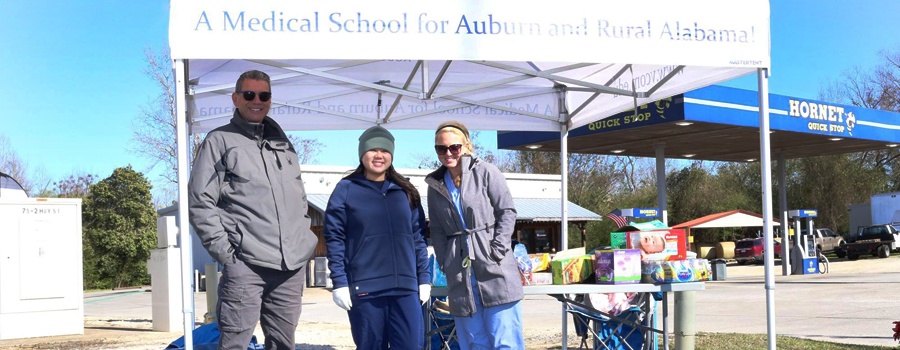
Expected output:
(855, 303)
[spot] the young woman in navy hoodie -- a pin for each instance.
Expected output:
(375, 237)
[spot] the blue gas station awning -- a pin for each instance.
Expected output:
(721, 123)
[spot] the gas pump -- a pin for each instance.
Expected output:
(804, 258)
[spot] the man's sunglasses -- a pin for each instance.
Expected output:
(454, 149)
(250, 95)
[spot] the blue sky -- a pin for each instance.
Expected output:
(75, 81)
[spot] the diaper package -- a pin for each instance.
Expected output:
(675, 271)
(663, 244)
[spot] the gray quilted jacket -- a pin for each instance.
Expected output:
(246, 197)
(490, 216)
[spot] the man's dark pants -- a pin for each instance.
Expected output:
(249, 294)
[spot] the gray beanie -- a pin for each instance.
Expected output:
(376, 137)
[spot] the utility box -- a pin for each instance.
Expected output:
(41, 290)
(164, 267)
(166, 232)
(321, 278)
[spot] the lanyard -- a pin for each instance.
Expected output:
(456, 198)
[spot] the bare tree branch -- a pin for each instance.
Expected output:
(13, 165)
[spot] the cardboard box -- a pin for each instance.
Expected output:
(661, 245)
(540, 262)
(569, 253)
(539, 278)
(572, 270)
(675, 271)
(617, 240)
(618, 266)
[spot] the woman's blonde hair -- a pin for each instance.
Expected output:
(459, 129)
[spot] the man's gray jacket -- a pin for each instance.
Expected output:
(247, 199)
(490, 217)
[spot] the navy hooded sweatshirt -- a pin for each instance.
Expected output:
(375, 240)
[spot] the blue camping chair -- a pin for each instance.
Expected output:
(601, 330)
(442, 333)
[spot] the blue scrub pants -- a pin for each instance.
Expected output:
(389, 321)
(496, 327)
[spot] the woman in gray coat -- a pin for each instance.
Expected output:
(472, 221)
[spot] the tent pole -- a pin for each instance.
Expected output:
(184, 231)
(765, 164)
(564, 198)
(783, 213)
(426, 92)
(564, 184)
(660, 149)
(563, 165)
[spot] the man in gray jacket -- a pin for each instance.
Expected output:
(248, 206)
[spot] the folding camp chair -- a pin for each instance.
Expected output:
(441, 327)
(601, 330)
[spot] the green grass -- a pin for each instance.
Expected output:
(734, 341)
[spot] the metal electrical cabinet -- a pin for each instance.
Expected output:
(40, 268)
(321, 277)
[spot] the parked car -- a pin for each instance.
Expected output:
(877, 240)
(826, 242)
(749, 250)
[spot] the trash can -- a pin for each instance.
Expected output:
(718, 270)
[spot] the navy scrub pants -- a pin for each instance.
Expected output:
(388, 321)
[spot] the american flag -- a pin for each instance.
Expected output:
(616, 216)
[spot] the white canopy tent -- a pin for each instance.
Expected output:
(498, 65)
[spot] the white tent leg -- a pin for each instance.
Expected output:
(661, 194)
(564, 183)
(765, 160)
(563, 166)
(564, 223)
(184, 231)
(782, 209)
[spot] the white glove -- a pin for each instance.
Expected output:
(424, 292)
(341, 297)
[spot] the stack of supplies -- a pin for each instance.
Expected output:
(540, 269)
(669, 244)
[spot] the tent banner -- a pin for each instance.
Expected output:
(688, 32)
